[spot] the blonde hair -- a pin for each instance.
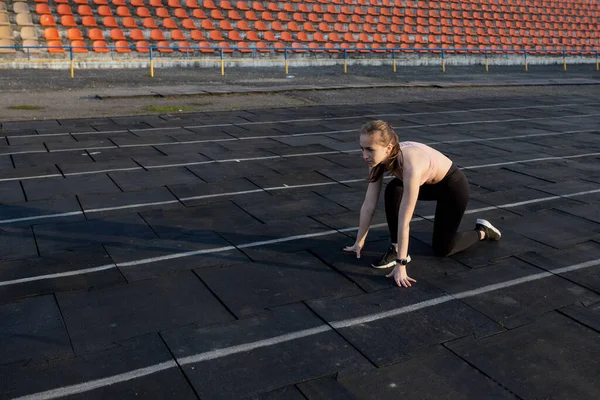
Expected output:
(386, 136)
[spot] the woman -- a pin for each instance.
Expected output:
(422, 173)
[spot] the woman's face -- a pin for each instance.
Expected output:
(373, 152)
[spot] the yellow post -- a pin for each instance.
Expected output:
(286, 67)
(487, 68)
(151, 68)
(72, 69)
(394, 65)
(565, 60)
(222, 64)
(345, 64)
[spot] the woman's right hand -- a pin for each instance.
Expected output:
(356, 248)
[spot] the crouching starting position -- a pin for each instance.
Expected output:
(420, 173)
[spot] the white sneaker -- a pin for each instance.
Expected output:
(491, 232)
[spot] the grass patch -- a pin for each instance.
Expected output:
(24, 107)
(168, 109)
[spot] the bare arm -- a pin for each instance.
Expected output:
(413, 168)
(368, 209)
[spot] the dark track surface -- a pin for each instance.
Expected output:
(201, 256)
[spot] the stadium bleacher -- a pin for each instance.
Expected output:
(317, 25)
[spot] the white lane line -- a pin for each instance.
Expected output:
(98, 383)
(268, 189)
(327, 119)
(192, 163)
(494, 121)
(249, 346)
(173, 256)
(462, 295)
(218, 353)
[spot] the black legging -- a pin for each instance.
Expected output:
(452, 196)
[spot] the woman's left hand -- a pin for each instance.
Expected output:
(400, 276)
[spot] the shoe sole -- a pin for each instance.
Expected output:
(491, 227)
(388, 265)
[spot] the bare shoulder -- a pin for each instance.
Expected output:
(414, 158)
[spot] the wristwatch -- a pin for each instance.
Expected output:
(403, 261)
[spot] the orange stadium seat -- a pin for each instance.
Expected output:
(225, 5)
(164, 47)
(269, 37)
(95, 34)
(243, 47)
(209, 5)
(117, 34)
(122, 46)
(215, 36)
(174, 3)
(234, 36)
(150, 23)
(252, 36)
(242, 6)
(188, 24)
(217, 15)
(176, 34)
(197, 35)
(137, 3)
(136, 35)
(142, 46)
(262, 47)
(123, 11)
(156, 3)
(184, 47)
(156, 35)
(225, 25)
(42, 9)
(283, 17)
(110, 22)
(84, 11)
(267, 16)
(207, 25)
(68, 21)
(88, 22)
(51, 34)
(192, 4)
(276, 26)
(205, 47)
(118, 3)
(55, 46)
(105, 11)
(181, 13)
(169, 23)
(79, 46)
(162, 12)
(129, 23)
(142, 12)
(63, 9)
(198, 14)
(225, 47)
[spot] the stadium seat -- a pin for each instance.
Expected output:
(63, 9)
(122, 46)
(95, 34)
(27, 33)
(181, 13)
(123, 11)
(206, 47)
(78, 46)
(118, 3)
(100, 46)
(198, 14)
(142, 47)
(142, 12)
(23, 20)
(51, 34)
(150, 23)
(169, 23)
(209, 5)
(197, 35)
(177, 35)
(156, 35)
(110, 22)
(184, 47)
(207, 25)
(116, 35)
(276, 26)
(74, 34)
(156, 3)
(225, 47)
(104, 11)
(216, 15)
(242, 6)
(136, 35)
(68, 21)
(84, 11)
(55, 46)
(188, 24)
(283, 17)
(234, 36)
(225, 5)
(215, 36)
(164, 47)
(31, 46)
(243, 47)
(162, 12)
(191, 4)
(174, 3)
(260, 26)
(88, 22)
(269, 37)
(41, 9)
(137, 3)
(252, 36)
(129, 23)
